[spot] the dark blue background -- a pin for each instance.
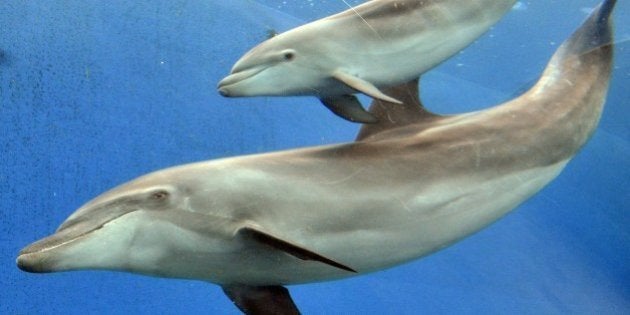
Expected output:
(95, 93)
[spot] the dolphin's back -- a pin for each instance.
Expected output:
(379, 14)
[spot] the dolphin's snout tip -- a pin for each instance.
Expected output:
(222, 86)
(224, 92)
(22, 263)
(26, 263)
(36, 263)
(26, 260)
(37, 257)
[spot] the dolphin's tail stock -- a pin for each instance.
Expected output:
(581, 67)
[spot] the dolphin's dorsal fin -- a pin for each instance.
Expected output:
(297, 251)
(392, 116)
(261, 300)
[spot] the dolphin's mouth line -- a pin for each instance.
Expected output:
(239, 76)
(34, 249)
(41, 250)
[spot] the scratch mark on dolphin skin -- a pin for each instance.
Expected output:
(404, 204)
(477, 155)
(339, 181)
(389, 117)
(317, 92)
(365, 21)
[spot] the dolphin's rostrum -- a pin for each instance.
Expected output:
(409, 186)
(377, 44)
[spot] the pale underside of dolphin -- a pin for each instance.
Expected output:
(377, 44)
(410, 185)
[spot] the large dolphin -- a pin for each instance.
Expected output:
(377, 44)
(410, 185)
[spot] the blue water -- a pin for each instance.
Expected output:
(95, 93)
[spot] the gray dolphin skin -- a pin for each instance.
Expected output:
(377, 44)
(408, 186)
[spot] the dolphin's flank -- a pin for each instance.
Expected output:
(410, 185)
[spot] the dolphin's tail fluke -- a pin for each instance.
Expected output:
(595, 32)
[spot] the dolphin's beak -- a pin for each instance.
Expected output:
(39, 257)
(228, 86)
(44, 255)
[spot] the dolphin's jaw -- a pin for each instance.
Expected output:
(69, 249)
(229, 86)
(37, 256)
(47, 259)
(278, 80)
(36, 262)
(138, 242)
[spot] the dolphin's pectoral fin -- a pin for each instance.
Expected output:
(261, 300)
(349, 108)
(363, 86)
(289, 248)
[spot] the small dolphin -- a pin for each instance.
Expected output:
(410, 185)
(377, 44)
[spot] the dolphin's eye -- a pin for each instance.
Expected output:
(160, 195)
(288, 56)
